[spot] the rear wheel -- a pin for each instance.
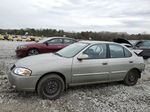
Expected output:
(33, 52)
(131, 78)
(145, 57)
(50, 86)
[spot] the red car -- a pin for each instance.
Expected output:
(51, 44)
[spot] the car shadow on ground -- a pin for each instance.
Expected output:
(103, 87)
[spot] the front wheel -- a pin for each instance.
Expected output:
(50, 87)
(33, 52)
(131, 78)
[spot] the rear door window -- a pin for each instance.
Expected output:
(116, 51)
(127, 53)
(69, 41)
(144, 44)
(55, 41)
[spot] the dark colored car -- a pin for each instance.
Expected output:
(143, 45)
(51, 44)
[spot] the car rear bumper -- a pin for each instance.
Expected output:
(23, 83)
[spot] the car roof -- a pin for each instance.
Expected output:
(47, 38)
(96, 42)
(60, 37)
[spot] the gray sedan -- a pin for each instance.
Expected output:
(85, 62)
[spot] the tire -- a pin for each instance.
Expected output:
(50, 87)
(145, 57)
(32, 52)
(131, 78)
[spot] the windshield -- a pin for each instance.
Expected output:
(44, 40)
(72, 50)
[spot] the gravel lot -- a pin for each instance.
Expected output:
(109, 97)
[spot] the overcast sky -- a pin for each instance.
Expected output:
(132, 16)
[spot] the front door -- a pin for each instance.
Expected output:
(55, 45)
(93, 69)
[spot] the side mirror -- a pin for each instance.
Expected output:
(83, 56)
(46, 43)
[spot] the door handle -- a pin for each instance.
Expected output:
(104, 63)
(130, 61)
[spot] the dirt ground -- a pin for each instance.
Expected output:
(109, 97)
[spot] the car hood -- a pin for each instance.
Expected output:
(32, 44)
(120, 40)
(42, 60)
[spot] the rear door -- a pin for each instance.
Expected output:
(120, 61)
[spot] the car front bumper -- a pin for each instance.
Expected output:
(21, 53)
(23, 83)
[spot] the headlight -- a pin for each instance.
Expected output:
(22, 71)
(21, 47)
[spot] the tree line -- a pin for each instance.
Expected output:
(104, 35)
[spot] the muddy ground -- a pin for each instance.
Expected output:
(108, 97)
